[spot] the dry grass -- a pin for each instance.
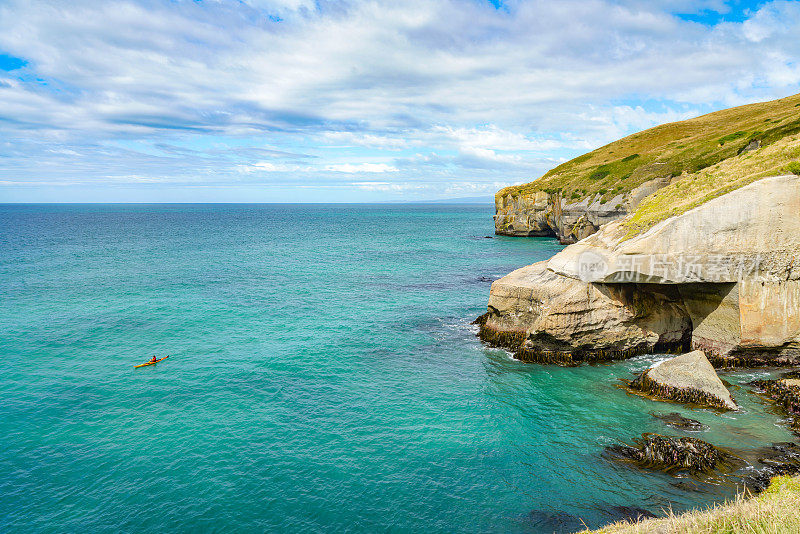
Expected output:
(668, 150)
(692, 190)
(775, 511)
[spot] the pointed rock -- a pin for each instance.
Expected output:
(686, 378)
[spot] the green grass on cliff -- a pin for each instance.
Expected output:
(675, 149)
(776, 511)
(691, 190)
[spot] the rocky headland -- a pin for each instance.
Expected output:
(684, 238)
(573, 200)
(705, 260)
(723, 277)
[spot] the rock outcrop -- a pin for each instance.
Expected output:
(541, 213)
(785, 392)
(775, 460)
(723, 277)
(548, 318)
(686, 378)
(667, 453)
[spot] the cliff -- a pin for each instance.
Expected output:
(573, 200)
(723, 277)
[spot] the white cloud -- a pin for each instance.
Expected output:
(361, 167)
(366, 140)
(333, 85)
(267, 166)
(493, 137)
(388, 186)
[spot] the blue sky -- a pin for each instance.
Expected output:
(334, 101)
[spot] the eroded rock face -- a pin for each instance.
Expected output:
(548, 318)
(726, 274)
(749, 233)
(549, 214)
(654, 451)
(686, 378)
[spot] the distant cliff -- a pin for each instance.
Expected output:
(543, 213)
(574, 199)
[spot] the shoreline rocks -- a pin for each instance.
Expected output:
(686, 378)
(778, 459)
(547, 318)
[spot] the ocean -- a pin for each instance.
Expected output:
(324, 375)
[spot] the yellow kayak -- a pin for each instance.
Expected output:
(151, 363)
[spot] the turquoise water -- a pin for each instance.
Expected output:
(324, 376)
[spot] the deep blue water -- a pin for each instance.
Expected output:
(324, 376)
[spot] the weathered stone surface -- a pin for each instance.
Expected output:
(548, 214)
(752, 232)
(549, 318)
(755, 321)
(726, 274)
(686, 378)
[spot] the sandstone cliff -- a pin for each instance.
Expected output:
(723, 277)
(543, 213)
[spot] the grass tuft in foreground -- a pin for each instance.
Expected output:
(775, 511)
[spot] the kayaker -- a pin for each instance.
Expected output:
(154, 359)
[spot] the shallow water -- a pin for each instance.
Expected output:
(324, 375)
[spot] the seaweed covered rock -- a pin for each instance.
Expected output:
(655, 451)
(686, 378)
(785, 392)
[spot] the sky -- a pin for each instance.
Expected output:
(357, 101)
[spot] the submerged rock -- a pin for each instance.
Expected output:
(676, 420)
(554, 521)
(686, 378)
(779, 459)
(670, 453)
(626, 513)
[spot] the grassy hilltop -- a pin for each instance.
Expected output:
(709, 155)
